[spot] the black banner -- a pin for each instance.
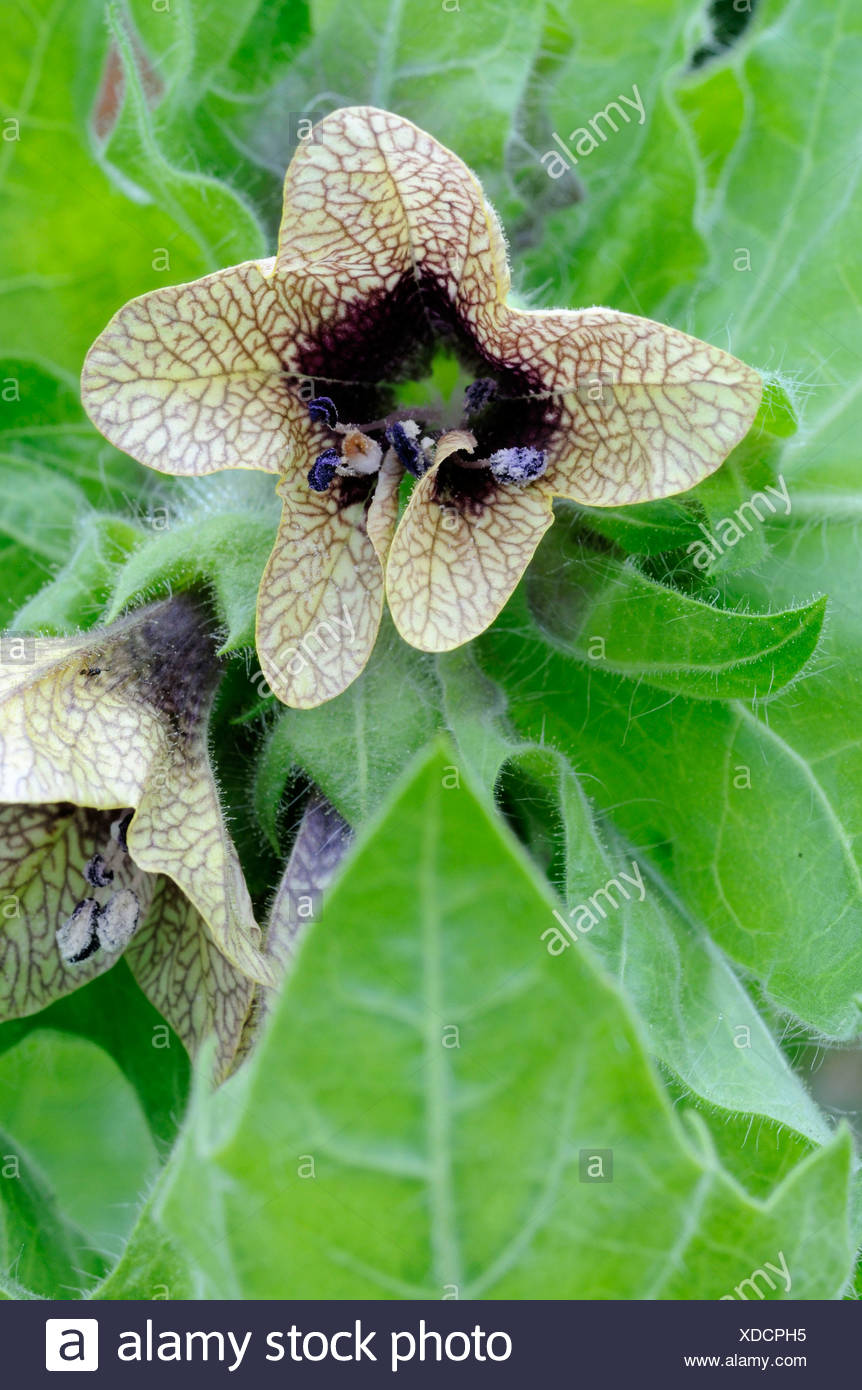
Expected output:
(418, 1344)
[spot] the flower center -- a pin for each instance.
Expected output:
(415, 437)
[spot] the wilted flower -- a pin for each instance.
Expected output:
(112, 838)
(387, 251)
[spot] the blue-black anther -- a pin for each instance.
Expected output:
(409, 453)
(478, 394)
(518, 465)
(322, 411)
(322, 471)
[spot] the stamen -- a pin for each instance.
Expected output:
(117, 921)
(97, 873)
(478, 394)
(78, 939)
(518, 465)
(405, 443)
(322, 471)
(322, 411)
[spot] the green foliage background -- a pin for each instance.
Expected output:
(493, 785)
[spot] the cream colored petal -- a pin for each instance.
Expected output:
(374, 206)
(635, 410)
(321, 595)
(454, 442)
(453, 565)
(178, 830)
(44, 851)
(382, 516)
(189, 981)
(190, 379)
(71, 726)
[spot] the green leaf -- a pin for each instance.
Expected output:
(647, 528)
(782, 229)
(711, 793)
(475, 710)
(703, 1026)
(37, 1245)
(150, 1267)
(113, 1013)
(778, 414)
(40, 508)
(624, 236)
(240, 47)
(214, 70)
(79, 592)
(759, 1152)
(227, 551)
(73, 247)
(354, 747)
(456, 73)
(23, 573)
(815, 737)
(44, 432)
(613, 616)
(84, 1153)
(430, 953)
(737, 500)
(214, 217)
(9, 1289)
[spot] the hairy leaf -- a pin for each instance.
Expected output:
(618, 619)
(430, 953)
(80, 1138)
(713, 793)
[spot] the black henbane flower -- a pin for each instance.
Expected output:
(112, 837)
(292, 365)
